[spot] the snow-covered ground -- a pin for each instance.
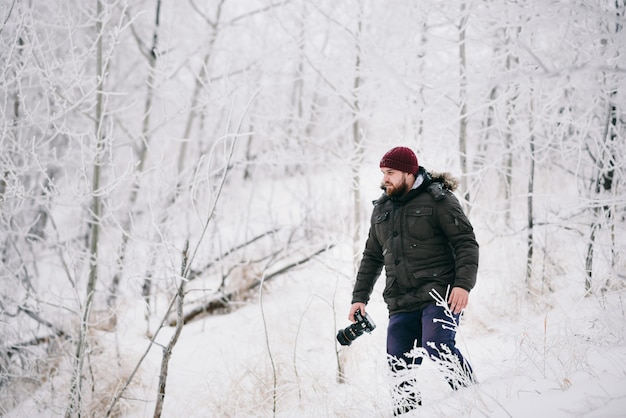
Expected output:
(567, 360)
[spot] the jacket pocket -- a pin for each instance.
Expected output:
(382, 217)
(381, 228)
(420, 223)
(443, 273)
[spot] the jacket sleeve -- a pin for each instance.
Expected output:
(457, 227)
(369, 269)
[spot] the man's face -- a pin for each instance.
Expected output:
(394, 182)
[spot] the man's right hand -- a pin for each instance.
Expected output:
(357, 306)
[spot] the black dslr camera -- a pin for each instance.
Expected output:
(362, 324)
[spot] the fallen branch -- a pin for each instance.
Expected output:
(224, 300)
(195, 273)
(17, 347)
(56, 332)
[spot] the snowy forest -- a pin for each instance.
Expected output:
(186, 188)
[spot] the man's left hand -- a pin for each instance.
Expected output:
(458, 299)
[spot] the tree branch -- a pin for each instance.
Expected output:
(224, 300)
(195, 273)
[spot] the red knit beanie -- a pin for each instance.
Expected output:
(401, 159)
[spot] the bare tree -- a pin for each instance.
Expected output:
(357, 141)
(530, 243)
(463, 113)
(75, 397)
(151, 53)
(606, 157)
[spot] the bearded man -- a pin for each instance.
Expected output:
(422, 237)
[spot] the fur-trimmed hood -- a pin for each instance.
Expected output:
(448, 181)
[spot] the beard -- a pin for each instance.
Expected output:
(395, 190)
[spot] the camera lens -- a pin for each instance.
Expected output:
(349, 334)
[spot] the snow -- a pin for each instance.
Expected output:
(568, 360)
(557, 354)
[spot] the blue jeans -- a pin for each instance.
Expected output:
(407, 329)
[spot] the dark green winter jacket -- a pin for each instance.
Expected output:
(424, 241)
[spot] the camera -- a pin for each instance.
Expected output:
(363, 324)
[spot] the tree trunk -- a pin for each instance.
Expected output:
(167, 351)
(200, 83)
(463, 106)
(142, 152)
(512, 96)
(74, 407)
(357, 148)
(529, 202)
(606, 164)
